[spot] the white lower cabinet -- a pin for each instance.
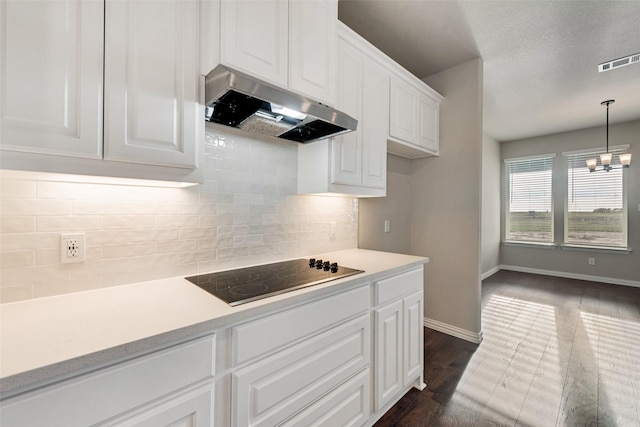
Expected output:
(388, 352)
(156, 389)
(347, 405)
(398, 336)
(306, 365)
(289, 363)
(270, 391)
(191, 409)
(413, 337)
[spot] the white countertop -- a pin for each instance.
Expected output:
(48, 338)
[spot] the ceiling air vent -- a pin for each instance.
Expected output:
(620, 62)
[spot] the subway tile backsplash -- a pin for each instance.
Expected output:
(246, 212)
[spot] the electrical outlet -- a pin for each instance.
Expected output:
(387, 226)
(592, 261)
(71, 248)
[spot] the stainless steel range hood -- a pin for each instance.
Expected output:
(238, 100)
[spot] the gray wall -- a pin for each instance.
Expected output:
(396, 207)
(446, 202)
(616, 266)
(491, 163)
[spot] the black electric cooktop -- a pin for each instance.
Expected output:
(244, 285)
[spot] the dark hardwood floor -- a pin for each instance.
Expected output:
(556, 352)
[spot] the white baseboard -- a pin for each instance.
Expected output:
(490, 273)
(566, 275)
(454, 331)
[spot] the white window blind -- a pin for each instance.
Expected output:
(529, 215)
(595, 211)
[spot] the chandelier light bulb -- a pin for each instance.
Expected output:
(605, 158)
(592, 163)
(625, 160)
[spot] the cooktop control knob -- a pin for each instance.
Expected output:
(327, 266)
(319, 264)
(312, 262)
(334, 267)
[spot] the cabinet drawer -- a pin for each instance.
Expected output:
(269, 333)
(270, 391)
(192, 409)
(394, 287)
(97, 396)
(348, 405)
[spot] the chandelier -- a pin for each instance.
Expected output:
(605, 158)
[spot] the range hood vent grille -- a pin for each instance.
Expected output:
(241, 101)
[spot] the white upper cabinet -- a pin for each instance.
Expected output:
(54, 54)
(254, 38)
(413, 117)
(312, 48)
(429, 119)
(360, 157)
(347, 148)
(291, 44)
(375, 104)
(51, 59)
(151, 82)
(403, 109)
(353, 163)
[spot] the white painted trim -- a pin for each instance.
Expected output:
(532, 157)
(490, 273)
(454, 331)
(601, 249)
(611, 280)
(522, 243)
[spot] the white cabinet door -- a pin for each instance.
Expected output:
(312, 48)
(347, 148)
(413, 338)
(152, 114)
(389, 378)
(51, 60)
(429, 121)
(254, 38)
(374, 129)
(402, 111)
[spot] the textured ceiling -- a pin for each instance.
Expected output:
(540, 57)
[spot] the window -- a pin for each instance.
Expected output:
(596, 205)
(529, 210)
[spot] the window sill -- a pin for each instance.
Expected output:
(601, 249)
(541, 245)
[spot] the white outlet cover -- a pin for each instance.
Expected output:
(72, 248)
